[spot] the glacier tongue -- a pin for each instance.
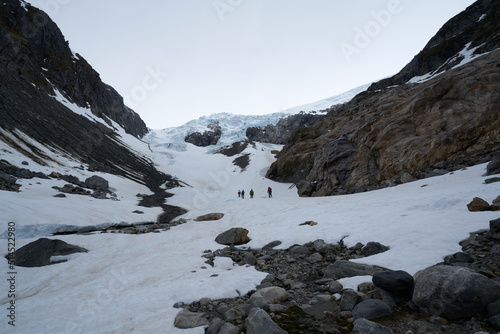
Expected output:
(234, 126)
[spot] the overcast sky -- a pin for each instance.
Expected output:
(177, 60)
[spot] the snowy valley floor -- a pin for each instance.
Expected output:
(130, 283)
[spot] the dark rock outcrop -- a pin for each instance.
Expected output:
(281, 132)
(371, 141)
(38, 253)
(387, 135)
(36, 52)
(233, 236)
(207, 138)
(398, 282)
(478, 25)
(209, 216)
(453, 292)
(36, 61)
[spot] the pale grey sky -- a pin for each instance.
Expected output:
(176, 60)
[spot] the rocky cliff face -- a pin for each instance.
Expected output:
(281, 132)
(207, 138)
(374, 139)
(477, 27)
(34, 61)
(34, 51)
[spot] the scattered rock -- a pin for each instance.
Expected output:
(364, 326)
(97, 183)
(492, 180)
(495, 205)
(271, 245)
(453, 292)
(373, 248)
(186, 319)
(350, 299)
(209, 216)
(138, 212)
(259, 322)
(272, 294)
(38, 253)
(397, 282)
(495, 225)
(233, 236)
(493, 167)
(478, 204)
(60, 195)
(343, 268)
(371, 309)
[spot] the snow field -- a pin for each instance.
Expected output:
(131, 282)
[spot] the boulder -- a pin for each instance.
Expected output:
(39, 252)
(271, 245)
(459, 259)
(259, 322)
(373, 248)
(97, 183)
(493, 167)
(350, 299)
(228, 328)
(478, 204)
(186, 319)
(371, 309)
(453, 292)
(209, 216)
(364, 326)
(397, 282)
(344, 268)
(495, 205)
(214, 326)
(272, 295)
(495, 225)
(233, 236)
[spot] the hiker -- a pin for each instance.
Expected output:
(239, 193)
(251, 193)
(270, 192)
(243, 194)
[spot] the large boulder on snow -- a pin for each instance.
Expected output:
(233, 236)
(97, 183)
(493, 167)
(453, 292)
(39, 252)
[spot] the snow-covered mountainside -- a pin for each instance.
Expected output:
(234, 127)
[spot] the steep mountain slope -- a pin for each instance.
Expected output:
(56, 112)
(477, 29)
(381, 136)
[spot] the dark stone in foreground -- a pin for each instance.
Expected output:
(398, 282)
(453, 292)
(39, 252)
(259, 322)
(371, 309)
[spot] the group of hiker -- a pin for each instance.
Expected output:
(241, 193)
